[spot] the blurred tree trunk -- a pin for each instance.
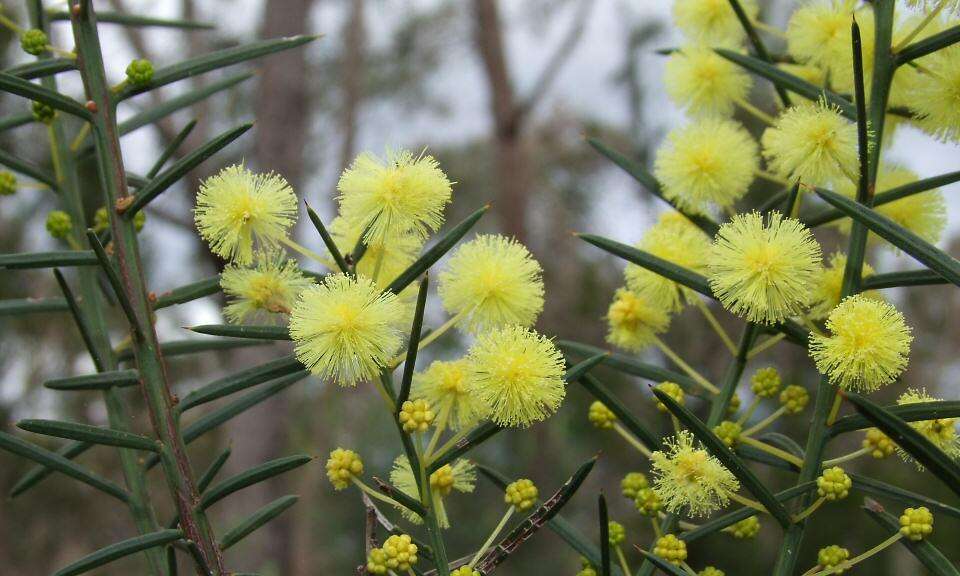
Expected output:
(352, 65)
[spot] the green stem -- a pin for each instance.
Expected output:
(631, 440)
(757, 113)
(431, 337)
(847, 457)
(748, 502)
(622, 559)
(492, 537)
(374, 494)
(843, 566)
(309, 253)
(765, 422)
(460, 435)
(920, 27)
(772, 450)
(715, 324)
(676, 359)
(748, 413)
(442, 419)
(770, 341)
(810, 509)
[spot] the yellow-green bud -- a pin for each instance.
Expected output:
(140, 72)
(632, 483)
(711, 571)
(648, 502)
(587, 571)
(831, 556)
(794, 398)
(522, 494)
(765, 382)
(139, 219)
(465, 571)
(398, 553)
(746, 528)
(416, 416)
(101, 219)
(728, 432)
(42, 112)
(601, 416)
(59, 224)
(916, 523)
(671, 549)
(671, 389)
(34, 42)
(8, 183)
(616, 533)
(442, 480)
(880, 444)
(342, 466)
(734, 406)
(834, 484)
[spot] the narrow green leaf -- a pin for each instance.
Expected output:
(526, 529)
(630, 365)
(243, 331)
(604, 520)
(37, 474)
(88, 433)
(913, 442)
(211, 472)
(113, 277)
(249, 524)
(28, 169)
(119, 550)
(880, 489)
(477, 436)
(15, 121)
(21, 306)
(435, 252)
(905, 278)
(928, 45)
(136, 20)
(99, 381)
(716, 447)
(241, 381)
(784, 442)
(601, 393)
(650, 183)
(181, 167)
(720, 522)
(195, 346)
(413, 344)
(170, 149)
(254, 475)
(58, 463)
(214, 61)
(188, 293)
(63, 258)
(920, 249)
(80, 321)
(41, 68)
(758, 46)
(924, 550)
(408, 502)
(327, 239)
(665, 268)
(906, 412)
(576, 371)
(37, 93)
(789, 81)
(177, 103)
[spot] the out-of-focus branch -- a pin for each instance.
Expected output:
(353, 73)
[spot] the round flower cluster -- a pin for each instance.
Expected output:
(398, 553)
(601, 416)
(879, 444)
(916, 523)
(43, 113)
(59, 224)
(464, 571)
(832, 556)
(765, 382)
(647, 502)
(834, 484)
(415, 416)
(140, 72)
(749, 527)
(671, 389)
(616, 533)
(794, 399)
(632, 483)
(671, 549)
(34, 42)
(342, 466)
(8, 183)
(521, 494)
(729, 432)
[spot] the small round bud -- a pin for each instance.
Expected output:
(139, 219)
(831, 556)
(101, 219)
(671, 389)
(342, 466)
(377, 561)
(728, 432)
(671, 549)
(746, 528)
(711, 571)
(59, 224)
(834, 484)
(648, 502)
(601, 416)
(42, 112)
(465, 571)
(794, 398)
(8, 183)
(586, 569)
(616, 533)
(398, 554)
(416, 416)
(734, 406)
(632, 483)
(916, 523)
(880, 444)
(140, 72)
(765, 382)
(442, 480)
(521, 494)
(34, 42)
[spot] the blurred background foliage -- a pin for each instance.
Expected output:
(502, 92)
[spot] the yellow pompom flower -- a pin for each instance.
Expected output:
(931, 5)
(829, 286)
(868, 345)
(764, 272)
(818, 33)
(941, 432)
(494, 281)
(677, 240)
(398, 554)
(712, 22)
(879, 444)
(517, 374)
(446, 385)
(704, 83)
(345, 328)
(269, 288)
(342, 467)
(392, 257)
(936, 95)
(460, 476)
(709, 163)
(924, 214)
(237, 209)
(813, 143)
(687, 475)
(633, 321)
(404, 194)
